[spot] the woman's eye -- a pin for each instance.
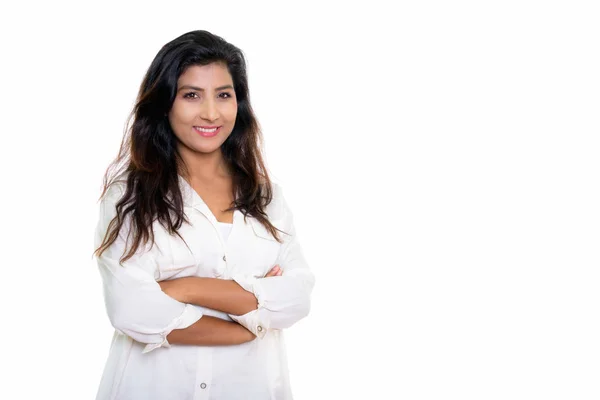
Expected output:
(193, 95)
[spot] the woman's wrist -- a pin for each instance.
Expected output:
(247, 335)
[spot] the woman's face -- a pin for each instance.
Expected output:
(205, 99)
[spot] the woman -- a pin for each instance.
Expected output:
(197, 294)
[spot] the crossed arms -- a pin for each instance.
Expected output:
(161, 313)
(218, 294)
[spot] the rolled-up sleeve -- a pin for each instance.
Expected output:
(135, 304)
(282, 300)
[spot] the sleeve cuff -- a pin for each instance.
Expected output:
(251, 320)
(246, 281)
(188, 317)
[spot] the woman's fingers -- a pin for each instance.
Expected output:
(270, 273)
(275, 271)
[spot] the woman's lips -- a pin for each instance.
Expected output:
(207, 134)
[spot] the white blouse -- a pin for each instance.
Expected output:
(142, 364)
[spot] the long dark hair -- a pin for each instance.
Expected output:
(148, 155)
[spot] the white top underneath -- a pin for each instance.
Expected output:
(225, 228)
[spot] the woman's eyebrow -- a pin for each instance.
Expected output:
(201, 90)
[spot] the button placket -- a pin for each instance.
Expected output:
(204, 374)
(205, 211)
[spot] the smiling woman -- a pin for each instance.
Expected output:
(203, 112)
(201, 266)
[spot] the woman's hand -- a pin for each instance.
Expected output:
(275, 271)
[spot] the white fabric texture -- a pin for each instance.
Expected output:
(141, 364)
(225, 228)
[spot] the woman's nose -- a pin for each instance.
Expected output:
(209, 110)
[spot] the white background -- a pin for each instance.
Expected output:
(441, 159)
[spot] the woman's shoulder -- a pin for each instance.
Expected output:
(112, 194)
(278, 208)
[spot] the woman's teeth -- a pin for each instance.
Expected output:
(207, 132)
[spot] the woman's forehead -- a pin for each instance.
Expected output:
(205, 76)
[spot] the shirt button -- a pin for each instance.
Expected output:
(259, 328)
(224, 259)
(203, 385)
